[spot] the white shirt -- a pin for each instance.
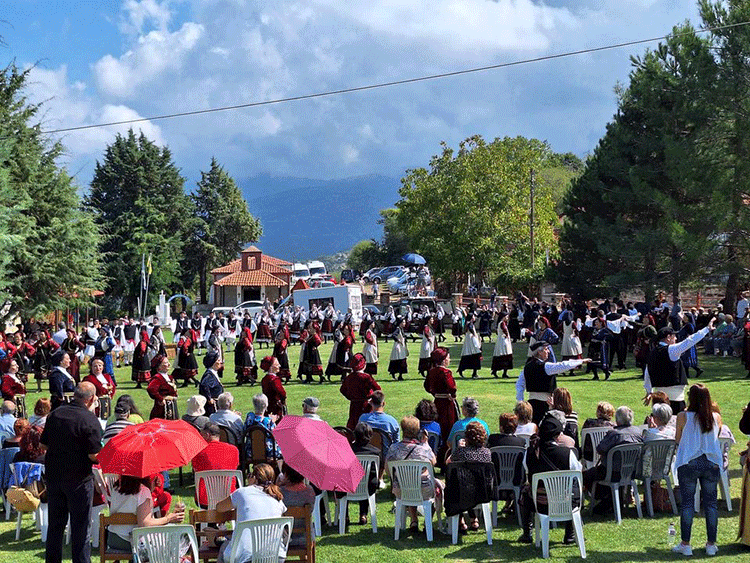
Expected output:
(742, 306)
(253, 504)
(675, 392)
(694, 443)
(62, 334)
(126, 504)
(550, 368)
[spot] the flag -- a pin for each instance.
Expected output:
(148, 265)
(143, 272)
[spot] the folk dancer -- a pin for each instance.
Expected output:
(357, 388)
(543, 333)
(329, 316)
(439, 324)
(471, 351)
(399, 352)
(428, 345)
(12, 384)
(197, 323)
(244, 358)
(162, 387)
(129, 333)
(344, 349)
(310, 363)
(440, 384)
(370, 350)
(60, 380)
(45, 349)
(502, 355)
(665, 370)
(187, 365)
(102, 381)
(141, 366)
(457, 327)
(538, 378)
(272, 387)
(210, 386)
(571, 342)
(281, 343)
(263, 336)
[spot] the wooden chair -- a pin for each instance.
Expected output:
(106, 553)
(198, 519)
(306, 553)
(255, 437)
(229, 436)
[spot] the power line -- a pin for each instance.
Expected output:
(393, 82)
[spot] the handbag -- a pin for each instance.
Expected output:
(22, 499)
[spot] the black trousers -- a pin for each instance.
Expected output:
(69, 500)
(677, 406)
(538, 410)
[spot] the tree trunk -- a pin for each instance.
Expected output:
(202, 285)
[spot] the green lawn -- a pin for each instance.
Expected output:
(633, 540)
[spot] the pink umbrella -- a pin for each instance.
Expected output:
(319, 453)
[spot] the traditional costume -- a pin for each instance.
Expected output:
(502, 355)
(141, 372)
(160, 388)
(310, 363)
(370, 350)
(244, 358)
(210, 386)
(399, 353)
(357, 388)
(471, 351)
(273, 389)
(428, 345)
(281, 343)
(440, 384)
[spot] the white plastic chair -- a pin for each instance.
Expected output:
(266, 539)
(218, 484)
(317, 522)
(39, 515)
(659, 455)
(629, 459)
(458, 435)
(726, 445)
(558, 486)
(595, 436)
(163, 543)
(367, 462)
(409, 476)
(526, 438)
(505, 469)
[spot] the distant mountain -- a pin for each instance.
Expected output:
(304, 218)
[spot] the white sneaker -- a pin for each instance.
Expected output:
(682, 548)
(712, 549)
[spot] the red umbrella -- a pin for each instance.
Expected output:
(146, 449)
(319, 453)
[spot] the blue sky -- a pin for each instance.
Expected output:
(109, 60)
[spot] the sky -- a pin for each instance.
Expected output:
(108, 60)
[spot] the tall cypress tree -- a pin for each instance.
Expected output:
(48, 243)
(137, 197)
(222, 224)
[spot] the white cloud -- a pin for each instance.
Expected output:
(155, 53)
(350, 154)
(140, 13)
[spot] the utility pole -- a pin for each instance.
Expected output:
(531, 216)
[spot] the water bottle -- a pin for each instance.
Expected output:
(671, 535)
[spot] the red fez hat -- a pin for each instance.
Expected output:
(439, 354)
(357, 363)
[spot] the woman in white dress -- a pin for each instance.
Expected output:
(370, 350)
(471, 352)
(502, 356)
(399, 352)
(428, 345)
(571, 342)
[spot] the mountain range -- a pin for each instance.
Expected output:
(305, 218)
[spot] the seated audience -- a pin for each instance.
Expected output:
(216, 455)
(41, 409)
(296, 493)
(133, 495)
(411, 447)
(469, 410)
(524, 412)
(258, 418)
(195, 414)
(310, 406)
(31, 450)
(427, 414)
(562, 401)
(658, 423)
(225, 416)
(379, 419)
(508, 423)
(604, 413)
(260, 499)
(19, 426)
(473, 449)
(121, 421)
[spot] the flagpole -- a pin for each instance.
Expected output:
(142, 286)
(148, 281)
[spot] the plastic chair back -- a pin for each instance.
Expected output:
(506, 460)
(559, 488)
(526, 438)
(266, 539)
(594, 435)
(629, 458)
(219, 484)
(163, 544)
(656, 459)
(367, 462)
(408, 473)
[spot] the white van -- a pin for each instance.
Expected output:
(317, 268)
(300, 271)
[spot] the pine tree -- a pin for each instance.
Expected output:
(137, 198)
(222, 224)
(48, 243)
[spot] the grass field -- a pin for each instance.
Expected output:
(633, 540)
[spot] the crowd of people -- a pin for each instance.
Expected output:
(80, 371)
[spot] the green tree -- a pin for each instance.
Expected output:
(137, 197)
(364, 255)
(48, 245)
(635, 217)
(222, 224)
(469, 213)
(396, 241)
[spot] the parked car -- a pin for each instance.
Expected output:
(224, 310)
(320, 282)
(386, 273)
(374, 310)
(251, 307)
(397, 280)
(350, 276)
(367, 276)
